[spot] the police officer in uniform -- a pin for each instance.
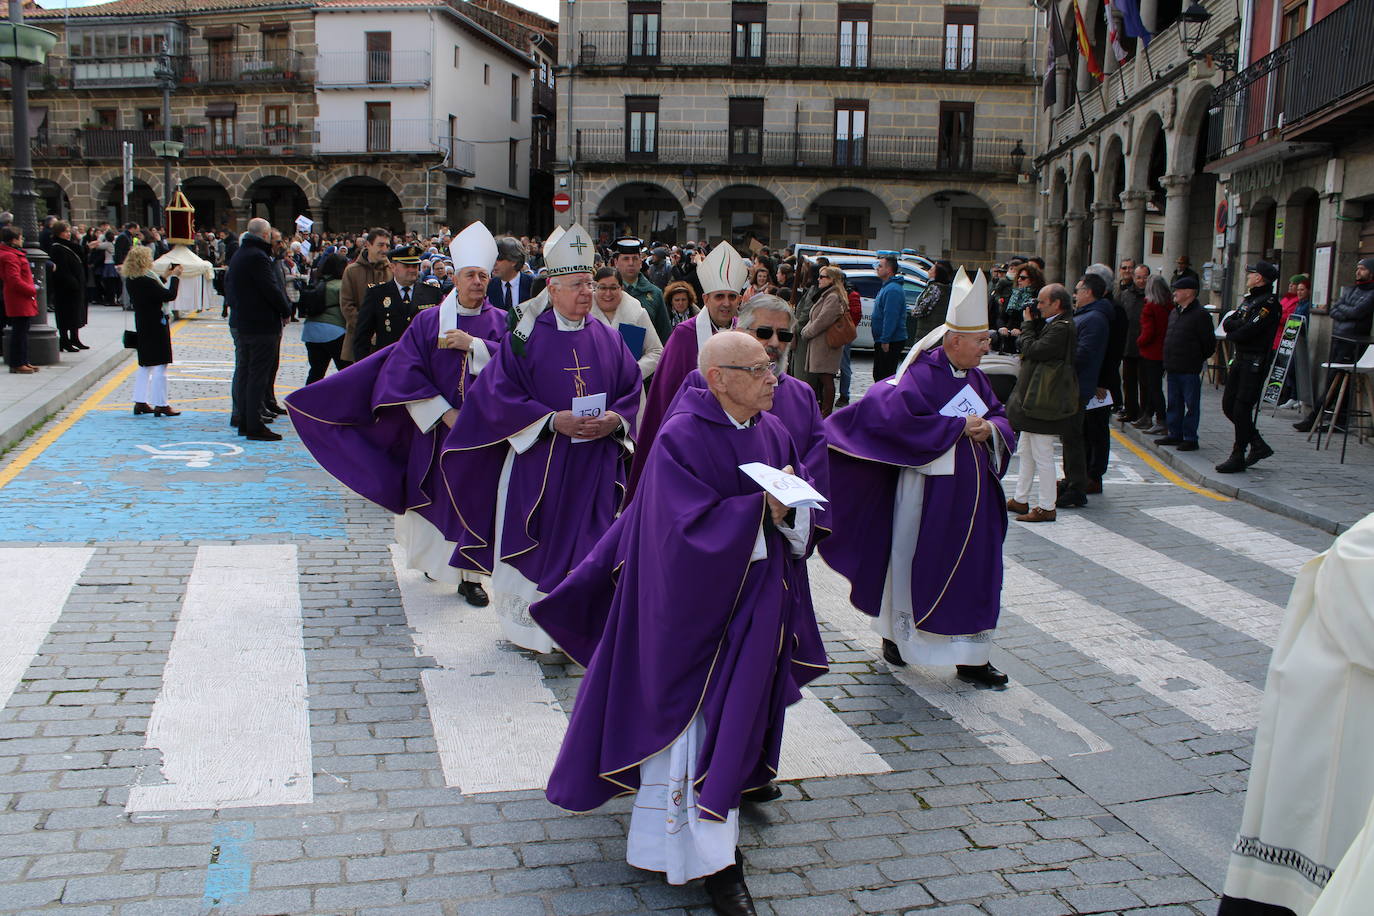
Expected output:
(388, 307)
(1251, 328)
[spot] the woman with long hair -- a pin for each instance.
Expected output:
(151, 298)
(822, 359)
(323, 334)
(762, 283)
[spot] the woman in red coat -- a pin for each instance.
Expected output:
(21, 299)
(1154, 321)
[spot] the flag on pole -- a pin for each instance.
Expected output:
(1113, 31)
(1130, 19)
(1085, 50)
(1055, 48)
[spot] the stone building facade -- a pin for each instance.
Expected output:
(867, 125)
(1121, 167)
(285, 108)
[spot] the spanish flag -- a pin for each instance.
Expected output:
(1085, 50)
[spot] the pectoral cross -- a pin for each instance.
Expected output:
(580, 384)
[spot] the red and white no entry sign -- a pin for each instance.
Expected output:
(562, 202)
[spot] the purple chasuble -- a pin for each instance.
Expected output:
(735, 647)
(562, 495)
(678, 361)
(956, 573)
(356, 425)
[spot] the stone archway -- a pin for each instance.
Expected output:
(741, 213)
(356, 204)
(852, 217)
(278, 200)
(52, 199)
(214, 207)
(643, 209)
(956, 225)
(143, 207)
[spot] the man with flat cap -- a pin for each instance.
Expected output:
(1189, 342)
(389, 307)
(629, 265)
(1251, 328)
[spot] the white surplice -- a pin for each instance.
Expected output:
(1312, 776)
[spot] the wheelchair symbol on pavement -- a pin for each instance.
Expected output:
(194, 457)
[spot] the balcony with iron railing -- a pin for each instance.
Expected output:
(237, 69)
(1283, 95)
(240, 68)
(370, 69)
(398, 136)
(804, 151)
(879, 56)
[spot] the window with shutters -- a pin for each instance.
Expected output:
(851, 128)
(856, 22)
(645, 23)
(746, 131)
(961, 34)
(750, 21)
(641, 128)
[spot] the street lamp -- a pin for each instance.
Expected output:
(23, 46)
(166, 78)
(689, 184)
(1192, 23)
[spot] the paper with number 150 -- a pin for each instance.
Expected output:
(592, 405)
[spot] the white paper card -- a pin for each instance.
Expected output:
(1096, 402)
(592, 405)
(788, 489)
(966, 403)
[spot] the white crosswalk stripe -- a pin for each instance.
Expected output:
(34, 585)
(1003, 720)
(496, 724)
(1206, 693)
(1199, 591)
(1238, 537)
(232, 719)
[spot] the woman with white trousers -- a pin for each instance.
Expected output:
(151, 298)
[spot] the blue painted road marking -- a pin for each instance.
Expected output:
(230, 875)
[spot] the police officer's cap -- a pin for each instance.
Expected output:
(1267, 270)
(628, 245)
(1186, 282)
(406, 254)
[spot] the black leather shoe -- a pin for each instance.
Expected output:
(1168, 440)
(1258, 452)
(764, 793)
(264, 435)
(1305, 424)
(276, 409)
(982, 675)
(891, 655)
(1233, 464)
(1071, 499)
(235, 422)
(1189, 447)
(474, 594)
(268, 417)
(729, 894)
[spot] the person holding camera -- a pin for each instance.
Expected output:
(151, 299)
(1045, 402)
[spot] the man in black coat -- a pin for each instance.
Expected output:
(388, 307)
(123, 242)
(258, 310)
(1251, 328)
(1351, 316)
(1189, 342)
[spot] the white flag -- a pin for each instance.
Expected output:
(1113, 29)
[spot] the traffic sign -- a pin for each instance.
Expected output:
(562, 202)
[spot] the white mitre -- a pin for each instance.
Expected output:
(967, 313)
(473, 247)
(723, 270)
(570, 253)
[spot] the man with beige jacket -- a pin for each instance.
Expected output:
(370, 269)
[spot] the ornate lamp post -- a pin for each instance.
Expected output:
(23, 46)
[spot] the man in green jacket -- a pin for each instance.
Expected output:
(629, 262)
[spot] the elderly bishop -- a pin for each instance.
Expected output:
(723, 275)
(378, 425)
(536, 463)
(920, 529)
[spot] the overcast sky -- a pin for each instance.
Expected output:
(547, 8)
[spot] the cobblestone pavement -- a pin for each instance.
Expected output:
(153, 564)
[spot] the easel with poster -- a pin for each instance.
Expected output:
(1283, 359)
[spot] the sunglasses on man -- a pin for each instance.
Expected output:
(767, 334)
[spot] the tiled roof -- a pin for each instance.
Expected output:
(158, 7)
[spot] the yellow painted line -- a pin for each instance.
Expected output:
(30, 454)
(1163, 471)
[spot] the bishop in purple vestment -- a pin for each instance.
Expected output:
(686, 688)
(723, 274)
(535, 484)
(378, 425)
(919, 528)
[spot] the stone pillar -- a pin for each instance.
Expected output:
(1175, 218)
(1131, 242)
(794, 228)
(692, 229)
(1061, 87)
(415, 218)
(1288, 249)
(899, 227)
(1149, 15)
(1102, 234)
(1073, 255)
(1052, 246)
